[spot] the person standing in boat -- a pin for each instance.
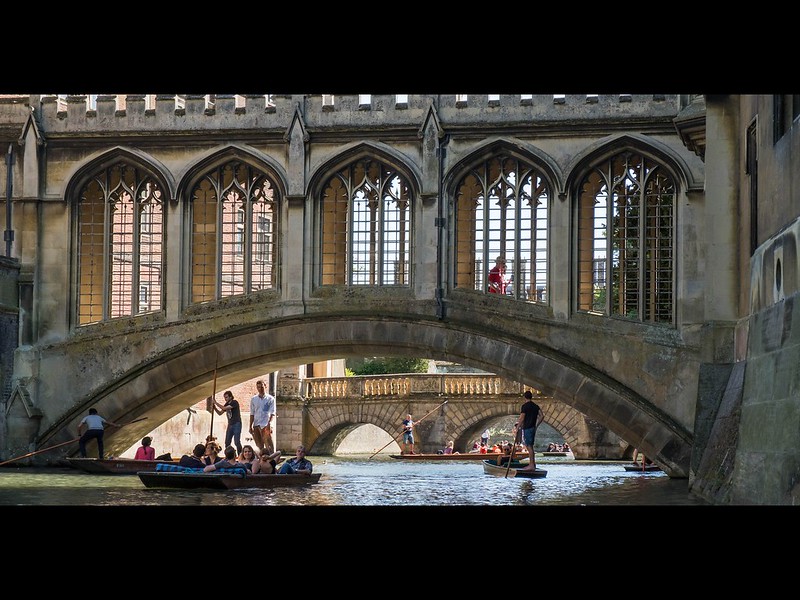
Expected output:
(645, 461)
(485, 437)
(530, 417)
(408, 435)
(92, 427)
(262, 415)
(233, 433)
(145, 451)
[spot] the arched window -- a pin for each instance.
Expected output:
(502, 210)
(366, 226)
(626, 228)
(120, 245)
(234, 232)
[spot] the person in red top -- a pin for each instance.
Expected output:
(145, 451)
(497, 276)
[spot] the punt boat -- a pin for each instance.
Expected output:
(216, 480)
(513, 470)
(116, 466)
(491, 456)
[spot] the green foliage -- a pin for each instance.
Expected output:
(390, 365)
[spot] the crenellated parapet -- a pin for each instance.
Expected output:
(143, 113)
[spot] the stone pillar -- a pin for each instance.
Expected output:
(296, 274)
(426, 210)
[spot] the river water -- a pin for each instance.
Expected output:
(387, 507)
(360, 481)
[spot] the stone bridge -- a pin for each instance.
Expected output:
(163, 244)
(321, 412)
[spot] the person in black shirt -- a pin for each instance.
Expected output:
(530, 417)
(194, 460)
(234, 414)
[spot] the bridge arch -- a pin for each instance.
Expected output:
(162, 384)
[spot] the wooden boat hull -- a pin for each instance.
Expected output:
(553, 453)
(223, 481)
(116, 466)
(646, 469)
(493, 456)
(514, 470)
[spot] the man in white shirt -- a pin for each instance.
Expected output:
(262, 415)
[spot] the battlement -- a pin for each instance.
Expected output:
(104, 114)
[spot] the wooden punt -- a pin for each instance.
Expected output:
(223, 481)
(553, 453)
(515, 470)
(645, 469)
(116, 466)
(491, 456)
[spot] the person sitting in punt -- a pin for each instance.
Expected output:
(448, 449)
(212, 451)
(145, 451)
(267, 463)
(298, 464)
(247, 457)
(196, 459)
(228, 462)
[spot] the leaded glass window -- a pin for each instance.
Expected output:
(502, 209)
(234, 216)
(366, 226)
(626, 225)
(120, 235)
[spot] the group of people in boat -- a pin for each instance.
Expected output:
(552, 447)
(504, 447)
(211, 457)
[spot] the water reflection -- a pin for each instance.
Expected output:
(359, 481)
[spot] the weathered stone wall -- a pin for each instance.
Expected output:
(9, 335)
(767, 464)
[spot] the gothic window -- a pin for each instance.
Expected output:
(626, 228)
(502, 210)
(234, 211)
(366, 226)
(120, 234)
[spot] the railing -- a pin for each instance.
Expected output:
(407, 385)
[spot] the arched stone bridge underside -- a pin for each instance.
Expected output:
(446, 417)
(632, 379)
